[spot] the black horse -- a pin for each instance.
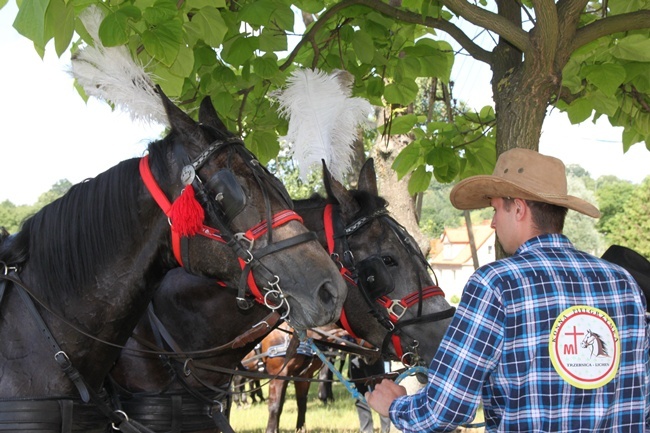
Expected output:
(396, 298)
(77, 277)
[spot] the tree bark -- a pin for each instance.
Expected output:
(400, 204)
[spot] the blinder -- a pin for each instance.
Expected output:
(228, 192)
(374, 277)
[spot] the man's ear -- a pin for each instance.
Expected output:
(520, 207)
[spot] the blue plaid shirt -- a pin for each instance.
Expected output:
(497, 349)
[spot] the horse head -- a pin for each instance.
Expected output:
(254, 213)
(393, 301)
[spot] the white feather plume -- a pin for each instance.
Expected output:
(111, 74)
(324, 121)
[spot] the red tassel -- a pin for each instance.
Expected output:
(186, 213)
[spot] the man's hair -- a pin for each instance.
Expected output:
(548, 218)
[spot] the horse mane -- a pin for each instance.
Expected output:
(69, 241)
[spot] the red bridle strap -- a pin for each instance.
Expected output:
(407, 301)
(328, 223)
(256, 232)
(164, 204)
(404, 304)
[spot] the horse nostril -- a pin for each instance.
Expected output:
(325, 294)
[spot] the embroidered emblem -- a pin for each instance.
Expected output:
(584, 347)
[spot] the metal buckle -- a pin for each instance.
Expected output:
(242, 237)
(391, 309)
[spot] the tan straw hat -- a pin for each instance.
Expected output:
(520, 173)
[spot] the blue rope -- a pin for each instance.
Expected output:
(348, 385)
(351, 387)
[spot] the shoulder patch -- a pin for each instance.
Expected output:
(584, 347)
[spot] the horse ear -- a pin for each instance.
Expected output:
(178, 119)
(368, 178)
(338, 192)
(208, 116)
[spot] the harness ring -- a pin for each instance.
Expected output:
(123, 414)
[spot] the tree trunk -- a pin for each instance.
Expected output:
(400, 204)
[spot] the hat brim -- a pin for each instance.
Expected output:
(475, 193)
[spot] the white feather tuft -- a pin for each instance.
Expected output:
(111, 74)
(323, 119)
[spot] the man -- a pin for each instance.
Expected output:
(551, 338)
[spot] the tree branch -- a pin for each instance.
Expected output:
(610, 25)
(490, 21)
(476, 51)
(547, 28)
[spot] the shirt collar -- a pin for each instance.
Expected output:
(547, 240)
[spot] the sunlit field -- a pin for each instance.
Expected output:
(339, 416)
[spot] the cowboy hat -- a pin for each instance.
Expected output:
(633, 262)
(520, 173)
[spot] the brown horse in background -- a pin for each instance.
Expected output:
(303, 364)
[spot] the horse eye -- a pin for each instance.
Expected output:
(388, 261)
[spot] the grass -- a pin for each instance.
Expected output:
(337, 417)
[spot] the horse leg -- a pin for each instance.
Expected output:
(325, 386)
(277, 392)
(256, 388)
(302, 389)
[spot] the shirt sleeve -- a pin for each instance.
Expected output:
(468, 353)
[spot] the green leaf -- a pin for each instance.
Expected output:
(406, 160)
(638, 75)
(223, 103)
(162, 11)
(272, 40)
(200, 4)
(258, 12)
(487, 114)
(59, 21)
(403, 124)
(114, 30)
(208, 26)
(264, 144)
(163, 41)
(30, 21)
(184, 63)
(403, 92)
(635, 47)
(132, 12)
(419, 181)
(630, 137)
(282, 18)
(607, 77)
(265, 67)
(171, 84)
(604, 103)
(436, 59)
(239, 49)
(363, 46)
(579, 110)
(481, 158)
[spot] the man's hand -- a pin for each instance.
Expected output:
(381, 398)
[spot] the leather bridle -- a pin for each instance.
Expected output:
(387, 311)
(241, 243)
